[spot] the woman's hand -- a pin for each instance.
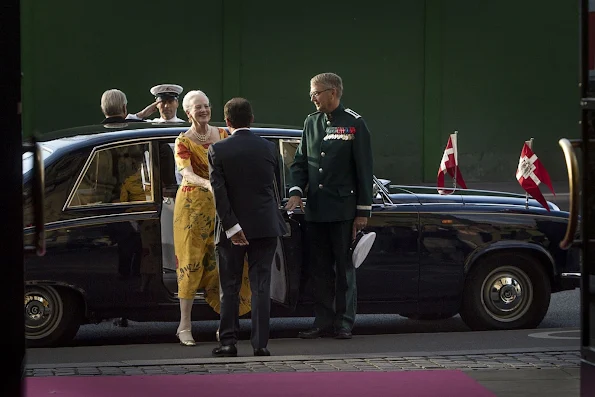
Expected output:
(191, 177)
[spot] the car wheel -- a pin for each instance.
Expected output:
(52, 316)
(505, 291)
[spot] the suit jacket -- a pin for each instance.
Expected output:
(242, 172)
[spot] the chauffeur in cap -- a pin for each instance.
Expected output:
(166, 101)
(334, 160)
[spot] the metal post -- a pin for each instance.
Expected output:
(12, 292)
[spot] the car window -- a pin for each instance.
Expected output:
(288, 148)
(115, 175)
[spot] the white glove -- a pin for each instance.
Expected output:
(191, 177)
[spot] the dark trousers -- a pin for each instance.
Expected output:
(333, 274)
(230, 259)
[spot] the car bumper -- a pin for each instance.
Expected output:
(570, 280)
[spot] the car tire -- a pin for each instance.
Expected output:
(52, 315)
(505, 291)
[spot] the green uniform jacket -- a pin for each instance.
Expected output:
(334, 163)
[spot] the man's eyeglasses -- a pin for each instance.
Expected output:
(316, 93)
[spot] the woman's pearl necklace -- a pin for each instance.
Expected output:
(201, 137)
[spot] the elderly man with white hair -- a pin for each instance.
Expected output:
(114, 107)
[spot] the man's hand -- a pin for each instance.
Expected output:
(146, 112)
(359, 223)
(293, 203)
(239, 238)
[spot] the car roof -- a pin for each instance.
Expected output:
(99, 134)
(92, 135)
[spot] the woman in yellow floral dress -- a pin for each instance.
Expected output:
(194, 217)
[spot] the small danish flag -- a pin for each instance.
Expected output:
(450, 164)
(531, 173)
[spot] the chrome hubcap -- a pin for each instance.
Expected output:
(506, 293)
(43, 311)
(37, 310)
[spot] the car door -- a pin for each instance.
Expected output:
(170, 180)
(390, 273)
(287, 264)
(113, 226)
(448, 235)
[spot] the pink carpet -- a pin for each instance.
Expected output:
(442, 383)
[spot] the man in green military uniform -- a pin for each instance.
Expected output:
(334, 163)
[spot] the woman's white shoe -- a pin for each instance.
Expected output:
(185, 337)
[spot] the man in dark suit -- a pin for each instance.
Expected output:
(242, 171)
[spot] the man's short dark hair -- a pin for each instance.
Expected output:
(239, 112)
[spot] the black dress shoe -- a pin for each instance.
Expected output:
(121, 322)
(315, 333)
(225, 351)
(263, 351)
(343, 334)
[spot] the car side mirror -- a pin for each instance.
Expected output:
(376, 186)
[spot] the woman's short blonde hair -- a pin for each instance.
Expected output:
(329, 80)
(113, 102)
(190, 96)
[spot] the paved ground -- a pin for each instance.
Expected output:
(411, 344)
(538, 362)
(464, 360)
(528, 373)
(530, 383)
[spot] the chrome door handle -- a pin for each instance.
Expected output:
(38, 185)
(573, 185)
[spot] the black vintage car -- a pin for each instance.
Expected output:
(492, 257)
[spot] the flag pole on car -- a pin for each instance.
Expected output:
(531, 173)
(450, 165)
(530, 144)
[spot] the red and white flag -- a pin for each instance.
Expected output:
(450, 165)
(531, 173)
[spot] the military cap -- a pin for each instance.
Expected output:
(361, 247)
(166, 91)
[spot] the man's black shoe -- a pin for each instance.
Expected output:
(315, 333)
(225, 351)
(121, 322)
(263, 351)
(343, 334)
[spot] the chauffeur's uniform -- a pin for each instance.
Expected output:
(334, 162)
